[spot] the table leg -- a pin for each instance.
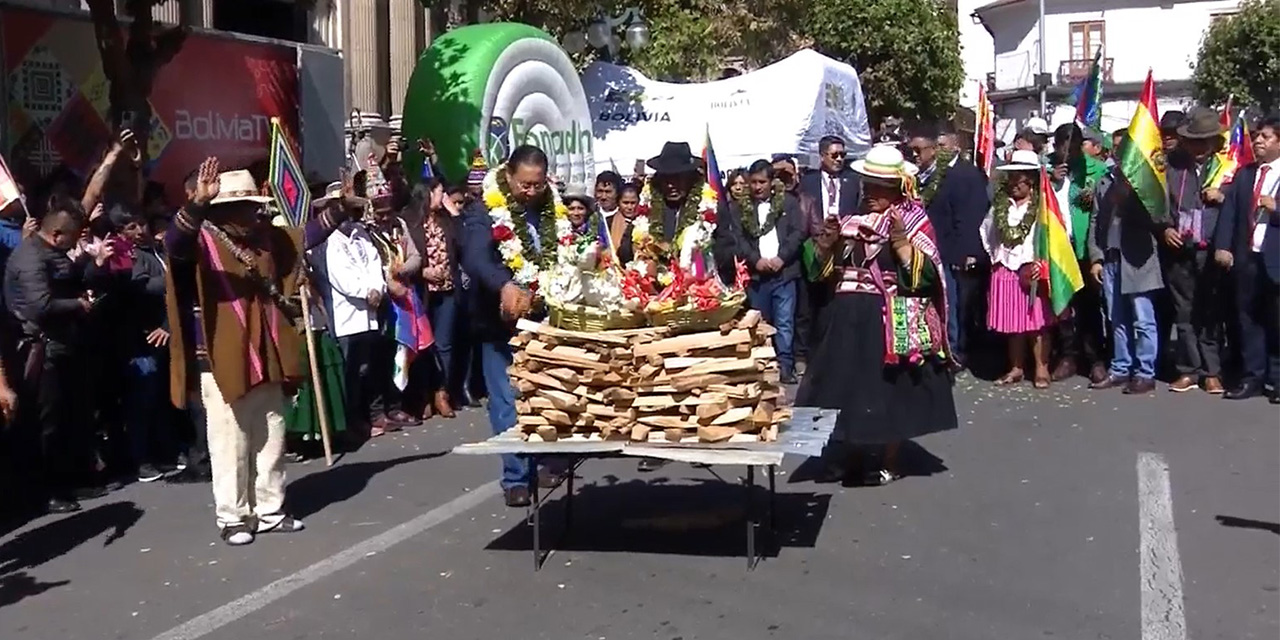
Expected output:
(751, 518)
(773, 501)
(568, 498)
(536, 500)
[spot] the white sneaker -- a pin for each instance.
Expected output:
(237, 535)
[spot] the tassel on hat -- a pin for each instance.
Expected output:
(479, 168)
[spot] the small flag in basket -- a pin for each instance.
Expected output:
(288, 185)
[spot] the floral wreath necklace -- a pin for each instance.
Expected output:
(941, 163)
(701, 201)
(524, 257)
(1013, 236)
(751, 221)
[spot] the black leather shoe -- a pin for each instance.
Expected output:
(191, 475)
(788, 378)
(1110, 382)
(1275, 397)
(89, 493)
(61, 505)
(516, 496)
(1244, 391)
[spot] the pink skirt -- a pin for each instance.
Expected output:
(1012, 310)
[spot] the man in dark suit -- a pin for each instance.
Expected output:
(766, 229)
(1247, 242)
(832, 190)
(498, 300)
(954, 192)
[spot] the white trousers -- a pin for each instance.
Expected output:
(246, 454)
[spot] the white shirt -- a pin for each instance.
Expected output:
(830, 193)
(1010, 258)
(1268, 189)
(768, 241)
(355, 269)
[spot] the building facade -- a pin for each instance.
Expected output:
(1001, 43)
(379, 40)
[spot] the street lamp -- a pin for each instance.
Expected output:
(602, 34)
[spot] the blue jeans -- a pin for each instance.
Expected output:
(1133, 327)
(442, 311)
(776, 301)
(147, 415)
(495, 357)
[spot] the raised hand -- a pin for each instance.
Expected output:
(207, 187)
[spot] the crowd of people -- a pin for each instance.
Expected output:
(146, 339)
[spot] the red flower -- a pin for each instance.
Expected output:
(502, 233)
(709, 216)
(642, 210)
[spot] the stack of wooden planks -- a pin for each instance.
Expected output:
(648, 384)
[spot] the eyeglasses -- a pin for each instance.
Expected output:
(531, 186)
(836, 155)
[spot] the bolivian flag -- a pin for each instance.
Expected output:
(1054, 252)
(1142, 155)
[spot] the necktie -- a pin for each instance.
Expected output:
(1257, 190)
(831, 192)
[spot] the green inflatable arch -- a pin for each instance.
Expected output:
(493, 87)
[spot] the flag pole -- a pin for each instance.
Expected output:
(312, 357)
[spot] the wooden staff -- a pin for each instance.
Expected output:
(314, 361)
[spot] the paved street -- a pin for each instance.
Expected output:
(1028, 522)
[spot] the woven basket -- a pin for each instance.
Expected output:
(576, 317)
(688, 320)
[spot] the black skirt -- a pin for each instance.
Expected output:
(878, 403)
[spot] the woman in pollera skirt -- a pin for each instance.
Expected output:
(1017, 302)
(879, 351)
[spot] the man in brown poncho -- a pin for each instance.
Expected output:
(230, 291)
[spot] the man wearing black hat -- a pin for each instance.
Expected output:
(1189, 271)
(676, 171)
(1169, 123)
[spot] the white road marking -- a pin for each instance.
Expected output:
(1163, 617)
(207, 623)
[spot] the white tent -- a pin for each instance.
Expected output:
(785, 107)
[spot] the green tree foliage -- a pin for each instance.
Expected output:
(1240, 57)
(907, 52)
(691, 38)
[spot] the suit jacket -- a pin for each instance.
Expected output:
(850, 196)
(478, 255)
(1235, 224)
(1139, 264)
(956, 212)
(733, 241)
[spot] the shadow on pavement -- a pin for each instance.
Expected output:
(315, 491)
(41, 544)
(703, 519)
(913, 460)
(1246, 523)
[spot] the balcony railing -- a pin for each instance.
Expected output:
(1073, 71)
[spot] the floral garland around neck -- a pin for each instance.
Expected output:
(941, 164)
(651, 215)
(1012, 236)
(751, 221)
(515, 244)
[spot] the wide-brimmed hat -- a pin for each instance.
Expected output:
(884, 162)
(1201, 123)
(238, 186)
(1037, 126)
(576, 193)
(676, 157)
(1021, 160)
(332, 191)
